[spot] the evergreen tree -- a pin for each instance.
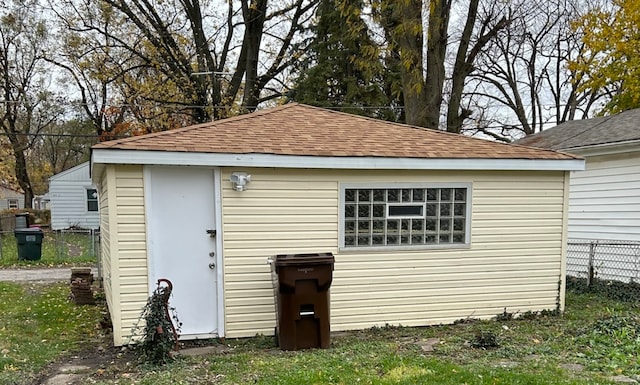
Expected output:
(342, 69)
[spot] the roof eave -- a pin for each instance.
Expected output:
(110, 156)
(611, 148)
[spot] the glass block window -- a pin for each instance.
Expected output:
(405, 216)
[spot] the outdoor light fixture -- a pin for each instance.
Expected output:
(239, 180)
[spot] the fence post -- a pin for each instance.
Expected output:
(93, 243)
(97, 255)
(590, 272)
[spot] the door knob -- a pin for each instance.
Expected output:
(212, 265)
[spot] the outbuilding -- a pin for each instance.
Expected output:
(426, 227)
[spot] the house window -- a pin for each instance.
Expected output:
(405, 216)
(92, 199)
(12, 203)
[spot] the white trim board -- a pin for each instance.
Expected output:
(111, 156)
(629, 146)
(217, 192)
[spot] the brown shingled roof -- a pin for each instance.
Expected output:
(302, 130)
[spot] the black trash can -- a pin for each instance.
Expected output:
(22, 220)
(29, 243)
(302, 284)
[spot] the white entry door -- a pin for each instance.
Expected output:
(180, 205)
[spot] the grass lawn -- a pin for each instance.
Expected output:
(58, 249)
(39, 324)
(595, 339)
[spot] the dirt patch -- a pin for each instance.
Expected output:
(99, 362)
(105, 362)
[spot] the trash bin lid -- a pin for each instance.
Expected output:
(304, 259)
(28, 230)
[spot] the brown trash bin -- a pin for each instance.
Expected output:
(302, 284)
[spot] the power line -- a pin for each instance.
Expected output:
(177, 105)
(53, 135)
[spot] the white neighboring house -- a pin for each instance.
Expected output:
(10, 198)
(604, 199)
(74, 199)
(41, 202)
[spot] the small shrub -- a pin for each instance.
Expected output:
(529, 315)
(532, 315)
(504, 316)
(485, 340)
(466, 321)
(549, 312)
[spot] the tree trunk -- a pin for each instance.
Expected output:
(403, 25)
(464, 63)
(206, 82)
(254, 16)
(461, 69)
(22, 175)
(437, 39)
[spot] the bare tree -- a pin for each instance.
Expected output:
(206, 58)
(524, 77)
(428, 80)
(27, 107)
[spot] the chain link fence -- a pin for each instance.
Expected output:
(59, 246)
(77, 244)
(605, 265)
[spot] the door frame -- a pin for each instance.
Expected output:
(219, 271)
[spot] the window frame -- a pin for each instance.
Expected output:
(87, 200)
(17, 203)
(422, 205)
(384, 248)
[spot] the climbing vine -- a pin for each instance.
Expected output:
(159, 335)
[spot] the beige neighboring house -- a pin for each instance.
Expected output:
(426, 227)
(10, 198)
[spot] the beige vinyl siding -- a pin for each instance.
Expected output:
(126, 250)
(514, 260)
(106, 266)
(281, 212)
